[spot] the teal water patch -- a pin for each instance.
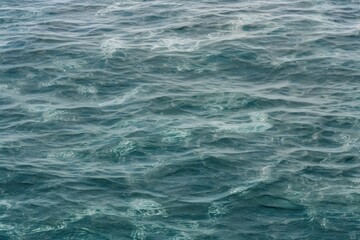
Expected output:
(179, 120)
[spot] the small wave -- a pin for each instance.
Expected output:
(5, 204)
(61, 155)
(217, 210)
(111, 8)
(68, 64)
(49, 228)
(175, 135)
(257, 124)
(277, 202)
(123, 148)
(120, 100)
(59, 115)
(87, 90)
(6, 227)
(177, 44)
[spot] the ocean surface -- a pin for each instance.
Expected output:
(179, 120)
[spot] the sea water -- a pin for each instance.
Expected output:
(210, 119)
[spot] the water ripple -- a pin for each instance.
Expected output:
(179, 120)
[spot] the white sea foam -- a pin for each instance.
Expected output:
(68, 64)
(183, 236)
(5, 204)
(59, 115)
(121, 6)
(146, 208)
(6, 227)
(238, 189)
(61, 155)
(217, 210)
(155, 169)
(177, 44)
(140, 233)
(175, 135)
(123, 148)
(349, 141)
(4, 88)
(258, 123)
(48, 83)
(48, 228)
(111, 8)
(264, 173)
(87, 90)
(110, 46)
(121, 99)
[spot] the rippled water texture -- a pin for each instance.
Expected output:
(208, 119)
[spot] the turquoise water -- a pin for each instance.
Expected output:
(179, 119)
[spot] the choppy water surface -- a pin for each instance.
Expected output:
(179, 119)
